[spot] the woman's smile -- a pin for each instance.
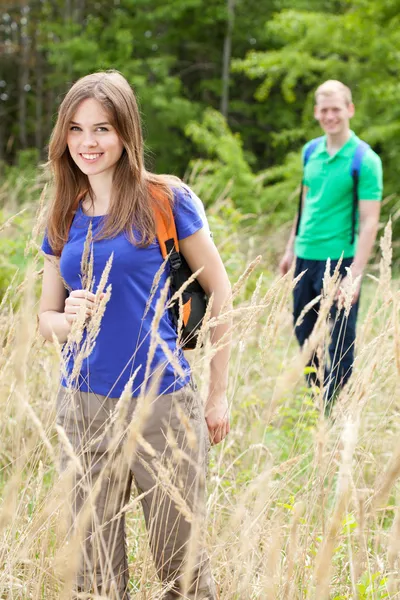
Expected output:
(91, 157)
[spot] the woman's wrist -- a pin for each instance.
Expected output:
(215, 394)
(54, 323)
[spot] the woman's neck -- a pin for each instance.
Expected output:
(101, 186)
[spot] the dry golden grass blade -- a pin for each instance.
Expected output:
(9, 500)
(9, 221)
(393, 554)
(41, 214)
(385, 270)
(396, 336)
(75, 345)
(159, 311)
(119, 420)
(154, 286)
(170, 356)
(164, 477)
(178, 294)
(387, 481)
(205, 324)
(293, 550)
(244, 277)
(143, 409)
(87, 260)
(343, 493)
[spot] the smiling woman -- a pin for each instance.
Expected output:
(94, 145)
(102, 230)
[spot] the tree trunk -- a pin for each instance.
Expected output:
(80, 11)
(2, 132)
(227, 58)
(50, 99)
(39, 102)
(23, 76)
(67, 10)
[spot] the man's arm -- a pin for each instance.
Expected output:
(288, 257)
(369, 211)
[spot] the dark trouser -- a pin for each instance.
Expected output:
(343, 329)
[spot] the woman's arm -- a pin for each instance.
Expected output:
(52, 303)
(199, 251)
(56, 311)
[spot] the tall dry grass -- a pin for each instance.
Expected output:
(298, 506)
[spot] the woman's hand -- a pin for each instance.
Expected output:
(217, 418)
(77, 301)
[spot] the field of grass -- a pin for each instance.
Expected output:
(299, 506)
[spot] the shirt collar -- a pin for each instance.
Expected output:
(346, 150)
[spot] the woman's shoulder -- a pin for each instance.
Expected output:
(186, 200)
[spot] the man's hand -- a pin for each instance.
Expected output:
(346, 283)
(286, 262)
(369, 221)
(217, 418)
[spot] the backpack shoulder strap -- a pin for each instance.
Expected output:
(357, 158)
(355, 169)
(310, 149)
(166, 230)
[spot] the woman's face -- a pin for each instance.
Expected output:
(92, 141)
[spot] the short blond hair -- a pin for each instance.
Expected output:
(332, 86)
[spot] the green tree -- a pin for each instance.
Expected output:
(171, 53)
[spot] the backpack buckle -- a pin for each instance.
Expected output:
(173, 256)
(175, 260)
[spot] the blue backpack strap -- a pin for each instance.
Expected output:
(307, 153)
(355, 174)
(358, 156)
(310, 149)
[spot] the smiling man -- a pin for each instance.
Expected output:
(338, 219)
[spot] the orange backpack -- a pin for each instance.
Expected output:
(194, 299)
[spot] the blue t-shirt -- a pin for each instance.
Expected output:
(123, 342)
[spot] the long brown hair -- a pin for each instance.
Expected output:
(135, 193)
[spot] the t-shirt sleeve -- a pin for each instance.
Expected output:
(46, 248)
(371, 181)
(187, 217)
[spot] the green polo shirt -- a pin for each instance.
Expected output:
(326, 219)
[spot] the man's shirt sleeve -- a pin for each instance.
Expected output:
(370, 186)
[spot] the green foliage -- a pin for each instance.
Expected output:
(270, 194)
(227, 167)
(171, 53)
(13, 242)
(19, 181)
(373, 586)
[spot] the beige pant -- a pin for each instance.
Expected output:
(168, 465)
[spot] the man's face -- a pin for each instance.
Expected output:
(333, 113)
